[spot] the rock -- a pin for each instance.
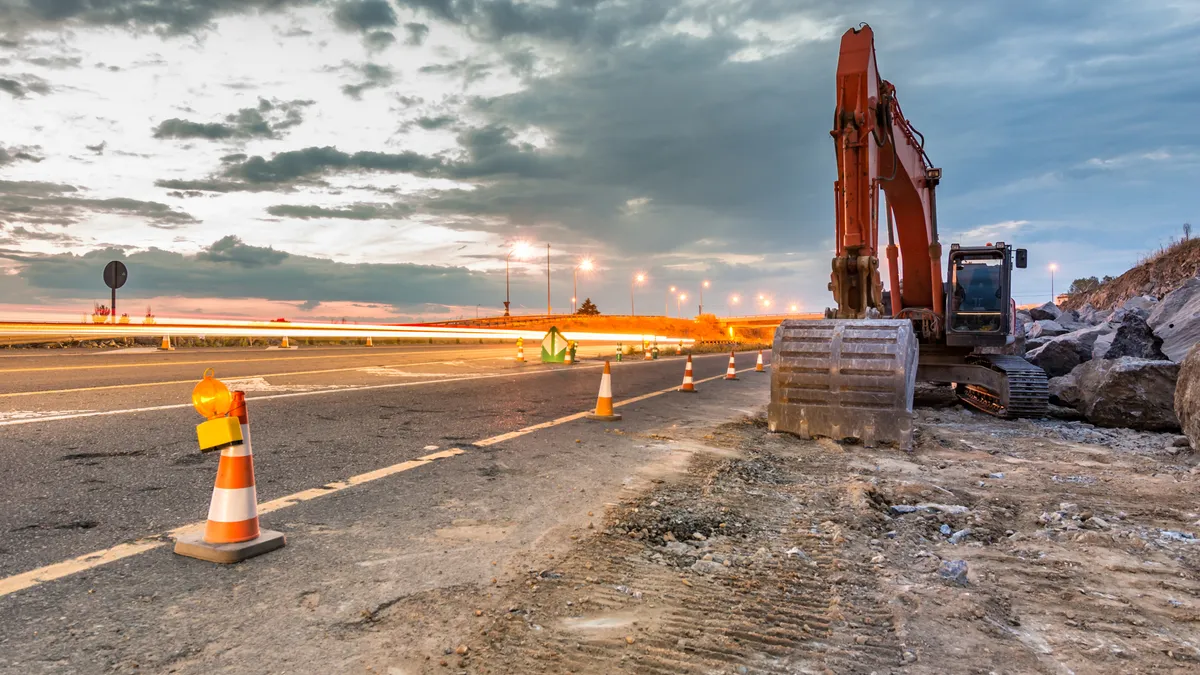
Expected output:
(1095, 523)
(1023, 316)
(945, 530)
(954, 571)
(1063, 353)
(1134, 338)
(957, 537)
(1177, 320)
(1045, 328)
(1032, 344)
(901, 509)
(1100, 349)
(1128, 392)
(1048, 311)
(1187, 395)
(707, 567)
(1064, 391)
(1089, 315)
(1141, 304)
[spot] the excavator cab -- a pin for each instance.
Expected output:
(979, 289)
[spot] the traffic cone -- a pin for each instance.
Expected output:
(688, 385)
(758, 367)
(567, 358)
(731, 372)
(604, 404)
(284, 344)
(648, 357)
(166, 344)
(232, 533)
(520, 352)
(369, 343)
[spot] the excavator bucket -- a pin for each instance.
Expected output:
(844, 378)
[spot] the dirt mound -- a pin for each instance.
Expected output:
(1158, 275)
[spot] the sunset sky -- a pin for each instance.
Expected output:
(374, 159)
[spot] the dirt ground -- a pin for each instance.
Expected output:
(752, 552)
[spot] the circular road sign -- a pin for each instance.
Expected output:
(115, 274)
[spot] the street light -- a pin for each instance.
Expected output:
(1053, 266)
(666, 300)
(703, 285)
(637, 279)
(733, 299)
(795, 308)
(586, 265)
(679, 303)
(519, 249)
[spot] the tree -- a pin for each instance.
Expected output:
(1084, 285)
(588, 308)
(1187, 231)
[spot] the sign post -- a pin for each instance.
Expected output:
(115, 275)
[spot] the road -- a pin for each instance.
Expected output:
(456, 450)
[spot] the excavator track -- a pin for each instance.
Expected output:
(1026, 394)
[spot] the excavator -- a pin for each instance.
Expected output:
(852, 375)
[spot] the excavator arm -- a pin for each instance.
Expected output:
(877, 148)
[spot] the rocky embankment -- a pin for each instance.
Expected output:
(1134, 366)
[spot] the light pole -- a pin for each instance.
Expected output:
(1053, 266)
(667, 299)
(586, 265)
(518, 249)
(703, 285)
(637, 279)
(548, 312)
(679, 304)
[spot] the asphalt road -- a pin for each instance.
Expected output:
(99, 450)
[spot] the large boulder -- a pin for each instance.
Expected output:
(1177, 320)
(1064, 391)
(1089, 315)
(1140, 304)
(1047, 312)
(1128, 392)
(1187, 395)
(1063, 353)
(1100, 348)
(1134, 338)
(1045, 328)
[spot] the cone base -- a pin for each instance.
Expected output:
(193, 546)
(732, 378)
(687, 391)
(604, 418)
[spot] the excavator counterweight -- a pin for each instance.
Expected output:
(852, 375)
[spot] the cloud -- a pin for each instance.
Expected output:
(98, 148)
(471, 71)
(231, 249)
(266, 120)
(311, 162)
(56, 62)
(417, 32)
(19, 85)
(170, 17)
(363, 15)
(19, 234)
(375, 76)
(439, 122)
(24, 153)
(232, 268)
(379, 40)
(360, 211)
(57, 204)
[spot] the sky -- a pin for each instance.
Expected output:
(375, 160)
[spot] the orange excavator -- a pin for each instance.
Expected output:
(853, 374)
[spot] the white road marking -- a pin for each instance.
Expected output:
(37, 414)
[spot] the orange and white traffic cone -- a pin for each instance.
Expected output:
(604, 402)
(369, 342)
(567, 358)
(731, 372)
(688, 384)
(166, 344)
(758, 367)
(232, 533)
(648, 357)
(520, 351)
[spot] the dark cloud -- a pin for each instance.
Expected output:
(379, 40)
(20, 85)
(16, 89)
(266, 120)
(295, 165)
(98, 148)
(20, 154)
(439, 122)
(57, 62)
(230, 249)
(417, 32)
(569, 21)
(231, 268)
(213, 185)
(55, 204)
(19, 234)
(172, 17)
(353, 212)
(471, 71)
(375, 76)
(363, 15)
